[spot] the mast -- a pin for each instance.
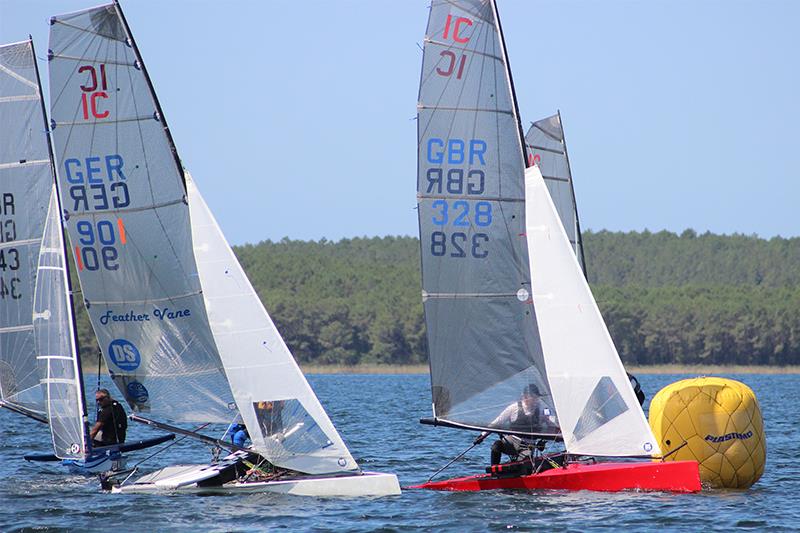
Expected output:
(70, 300)
(578, 236)
(510, 82)
(161, 118)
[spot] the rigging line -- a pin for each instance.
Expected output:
(176, 441)
(456, 458)
(99, 362)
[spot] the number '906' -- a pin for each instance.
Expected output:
(97, 245)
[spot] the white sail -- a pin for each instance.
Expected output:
(124, 203)
(56, 348)
(286, 422)
(25, 184)
(597, 409)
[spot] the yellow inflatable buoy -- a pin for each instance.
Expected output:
(720, 422)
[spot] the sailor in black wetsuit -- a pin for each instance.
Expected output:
(527, 414)
(112, 422)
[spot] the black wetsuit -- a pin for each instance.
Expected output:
(510, 446)
(114, 424)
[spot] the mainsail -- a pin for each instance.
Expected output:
(56, 347)
(286, 422)
(483, 340)
(125, 207)
(597, 408)
(548, 150)
(25, 185)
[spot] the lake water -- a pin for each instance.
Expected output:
(377, 416)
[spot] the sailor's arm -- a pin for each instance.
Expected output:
(95, 428)
(507, 416)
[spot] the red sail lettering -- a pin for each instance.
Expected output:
(95, 113)
(90, 69)
(457, 32)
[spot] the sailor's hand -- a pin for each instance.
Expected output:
(480, 438)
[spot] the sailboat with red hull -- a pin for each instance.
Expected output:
(517, 345)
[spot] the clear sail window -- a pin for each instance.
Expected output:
(286, 425)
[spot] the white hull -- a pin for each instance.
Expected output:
(97, 465)
(185, 478)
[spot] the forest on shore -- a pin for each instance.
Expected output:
(667, 298)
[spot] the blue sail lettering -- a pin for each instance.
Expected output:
(456, 151)
(90, 171)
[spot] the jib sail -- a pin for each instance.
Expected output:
(125, 207)
(597, 408)
(56, 346)
(284, 418)
(483, 339)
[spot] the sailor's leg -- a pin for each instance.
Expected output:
(500, 447)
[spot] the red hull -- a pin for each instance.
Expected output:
(673, 476)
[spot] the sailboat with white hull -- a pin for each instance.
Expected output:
(509, 313)
(41, 351)
(184, 332)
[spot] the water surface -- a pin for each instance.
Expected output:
(377, 416)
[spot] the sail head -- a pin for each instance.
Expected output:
(25, 184)
(483, 342)
(126, 212)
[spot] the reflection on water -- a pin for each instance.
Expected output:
(378, 419)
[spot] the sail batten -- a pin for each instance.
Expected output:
(133, 242)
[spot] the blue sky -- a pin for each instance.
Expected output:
(297, 118)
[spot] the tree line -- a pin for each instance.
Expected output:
(667, 298)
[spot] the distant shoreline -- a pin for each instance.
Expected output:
(654, 369)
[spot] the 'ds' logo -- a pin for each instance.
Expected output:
(124, 354)
(137, 392)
